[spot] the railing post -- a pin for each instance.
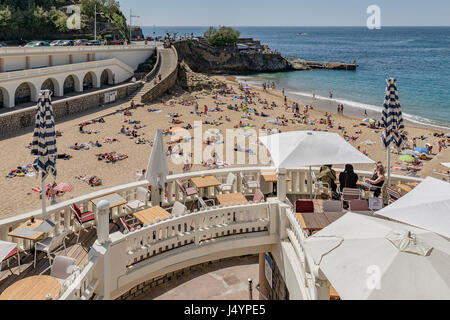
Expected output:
(102, 222)
(281, 185)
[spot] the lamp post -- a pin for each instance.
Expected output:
(95, 20)
(131, 17)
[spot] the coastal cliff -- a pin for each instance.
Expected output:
(246, 57)
(204, 58)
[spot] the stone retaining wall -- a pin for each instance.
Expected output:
(14, 121)
(139, 290)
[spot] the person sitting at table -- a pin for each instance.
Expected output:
(348, 178)
(376, 183)
(328, 175)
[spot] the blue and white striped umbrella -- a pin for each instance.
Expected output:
(392, 119)
(44, 137)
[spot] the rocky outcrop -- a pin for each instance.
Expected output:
(300, 64)
(192, 81)
(203, 58)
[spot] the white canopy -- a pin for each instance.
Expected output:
(446, 164)
(427, 206)
(365, 257)
(309, 148)
(157, 166)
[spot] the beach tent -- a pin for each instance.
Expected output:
(391, 121)
(422, 150)
(296, 149)
(157, 169)
(44, 141)
(369, 258)
(427, 206)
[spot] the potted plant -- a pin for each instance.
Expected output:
(32, 219)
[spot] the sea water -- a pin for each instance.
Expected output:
(418, 57)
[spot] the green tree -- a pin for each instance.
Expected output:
(224, 36)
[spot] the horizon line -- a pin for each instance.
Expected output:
(273, 26)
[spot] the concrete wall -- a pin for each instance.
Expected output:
(16, 58)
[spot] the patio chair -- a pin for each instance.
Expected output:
(332, 206)
(50, 245)
(141, 201)
(350, 194)
(186, 188)
(360, 206)
(304, 206)
(203, 204)
(129, 223)
(228, 185)
(62, 268)
(249, 184)
(177, 209)
(258, 196)
(84, 219)
(393, 195)
(319, 186)
(14, 254)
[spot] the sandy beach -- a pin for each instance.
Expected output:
(18, 196)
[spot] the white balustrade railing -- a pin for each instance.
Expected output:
(133, 250)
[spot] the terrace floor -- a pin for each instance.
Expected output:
(77, 251)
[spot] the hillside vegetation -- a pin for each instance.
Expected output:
(48, 19)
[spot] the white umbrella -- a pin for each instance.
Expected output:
(365, 257)
(446, 164)
(157, 169)
(427, 206)
(310, 148)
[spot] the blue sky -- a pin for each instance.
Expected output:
(286, 12)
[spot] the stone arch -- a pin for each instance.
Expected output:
(90, 80)
(24, 93)
(52, 85)
(106, 77)
(4, 98)
(72, 83)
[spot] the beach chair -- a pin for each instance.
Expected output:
(84, 219)
(228, 185)
(141, 201)
(304, 206)
(51, 245)
(350, 194)
(249, 184)
(393, 195)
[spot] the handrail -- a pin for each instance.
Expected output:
(68, 50)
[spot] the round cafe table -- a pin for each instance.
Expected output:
(32, 288)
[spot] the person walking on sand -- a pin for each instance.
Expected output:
(365, 113)
(205, 110)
